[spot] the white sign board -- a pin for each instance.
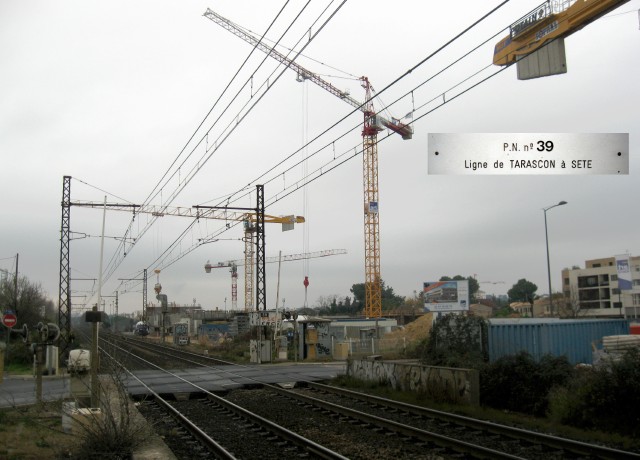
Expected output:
(265, 318)
(446, 296)
(528, 153)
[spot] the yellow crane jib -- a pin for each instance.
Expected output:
(551, 20)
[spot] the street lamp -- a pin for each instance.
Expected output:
(546, 236)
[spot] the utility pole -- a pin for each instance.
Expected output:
(95, 388)
(95, 360)
(546, 238)
(144, 291)
(64, 293)
(116, 305)
(15, 286)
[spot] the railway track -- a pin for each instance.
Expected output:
(355, 425)
(216, 428)
(168, 356)
(540, 445)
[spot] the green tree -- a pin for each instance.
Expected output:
(504, 312)
(389, 299)
(474, 286)
(523, 291)
(358, 295)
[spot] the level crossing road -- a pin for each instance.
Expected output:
(20, 390)
(223, 378)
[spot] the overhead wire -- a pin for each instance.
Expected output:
(406, 74)
(115, 260)
(322, 171)
(397, 80)
(224, 91)
(283, 70)
(238, 118)
(157, 189)
(276, 45)
(114, 263)
(101, 190)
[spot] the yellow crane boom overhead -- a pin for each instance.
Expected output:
(550, 20)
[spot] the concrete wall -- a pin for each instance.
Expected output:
(440, 383)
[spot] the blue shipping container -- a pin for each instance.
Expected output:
(539, 337)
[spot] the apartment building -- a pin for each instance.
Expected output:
(593, 291)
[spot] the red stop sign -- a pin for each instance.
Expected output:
(9, 320)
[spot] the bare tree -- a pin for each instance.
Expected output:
(572, 307)
(30, 303)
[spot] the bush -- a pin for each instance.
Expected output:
(456, 341)
(604, 398)
(117, 430)
(20, 353)
(518, 383)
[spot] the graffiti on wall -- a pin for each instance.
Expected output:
(322, 343)
(442, 383)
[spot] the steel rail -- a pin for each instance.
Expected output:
(570, 445)
(165, 350)
(400, 428)
(195, 431)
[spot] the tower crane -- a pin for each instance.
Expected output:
(233, 269)
(373, 123)
(234, 264)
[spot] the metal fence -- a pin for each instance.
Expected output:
(374, 346)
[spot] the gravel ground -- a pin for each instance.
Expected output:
(352, 440)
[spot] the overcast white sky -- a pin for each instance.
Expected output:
(110, 93)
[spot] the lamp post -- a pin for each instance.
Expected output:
(546, 236)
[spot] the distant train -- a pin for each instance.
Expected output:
(141, 328)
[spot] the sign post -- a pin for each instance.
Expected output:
(9, 320)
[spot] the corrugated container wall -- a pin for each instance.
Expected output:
(539, 337)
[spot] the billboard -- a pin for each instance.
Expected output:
(624, 273)
(446, 296)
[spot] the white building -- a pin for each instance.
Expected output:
(593, 292)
